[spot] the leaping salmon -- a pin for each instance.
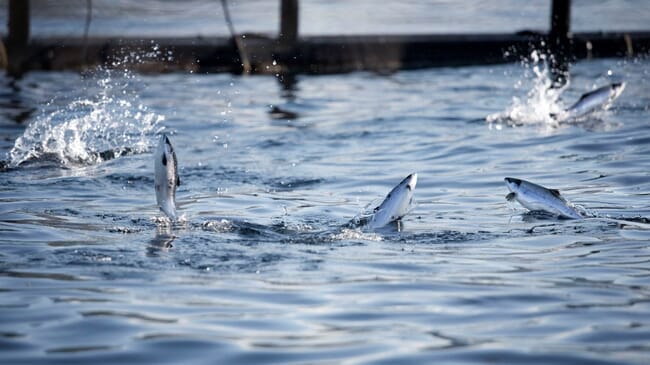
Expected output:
(538, 198)
(396, 204)
(166, 177)
(589, 102)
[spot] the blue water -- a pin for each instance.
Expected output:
(262, 268)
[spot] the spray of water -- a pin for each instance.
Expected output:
(107, 121)
(540, 102)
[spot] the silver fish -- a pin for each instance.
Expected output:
(396, 204)
(538, 198)
(599, 98)
(166, 177)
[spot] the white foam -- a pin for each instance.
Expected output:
(76, 134)
(355, 234)
(539, 103)
(220, 226)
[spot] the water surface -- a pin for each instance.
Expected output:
(262, 269)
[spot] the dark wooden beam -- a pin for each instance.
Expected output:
(325, 54)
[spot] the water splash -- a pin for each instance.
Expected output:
(349, 234)
(540, 102)
(106, 122)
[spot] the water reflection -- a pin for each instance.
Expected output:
(161, 242)
(288, 82)
(13, 103)
(277, 112)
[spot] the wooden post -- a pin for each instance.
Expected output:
(18, 36)
(559, 39)
(286, 48)
(288, 24)
(561, 18)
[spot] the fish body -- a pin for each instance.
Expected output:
(599, 98)
(396, 204)
(538, 198)
(166, 178)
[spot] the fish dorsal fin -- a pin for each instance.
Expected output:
(178, 180)
(555, 192)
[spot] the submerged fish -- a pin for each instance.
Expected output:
(538, 198)
(599, 98)
(396, 204)
(166, 177)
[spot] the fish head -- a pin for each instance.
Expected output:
(410, 181)
(402, 194)
(165, 159)
(616, 90)
(165, 147)
(405, 190)
(513, 184)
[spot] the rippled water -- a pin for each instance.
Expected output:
(263, 270)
